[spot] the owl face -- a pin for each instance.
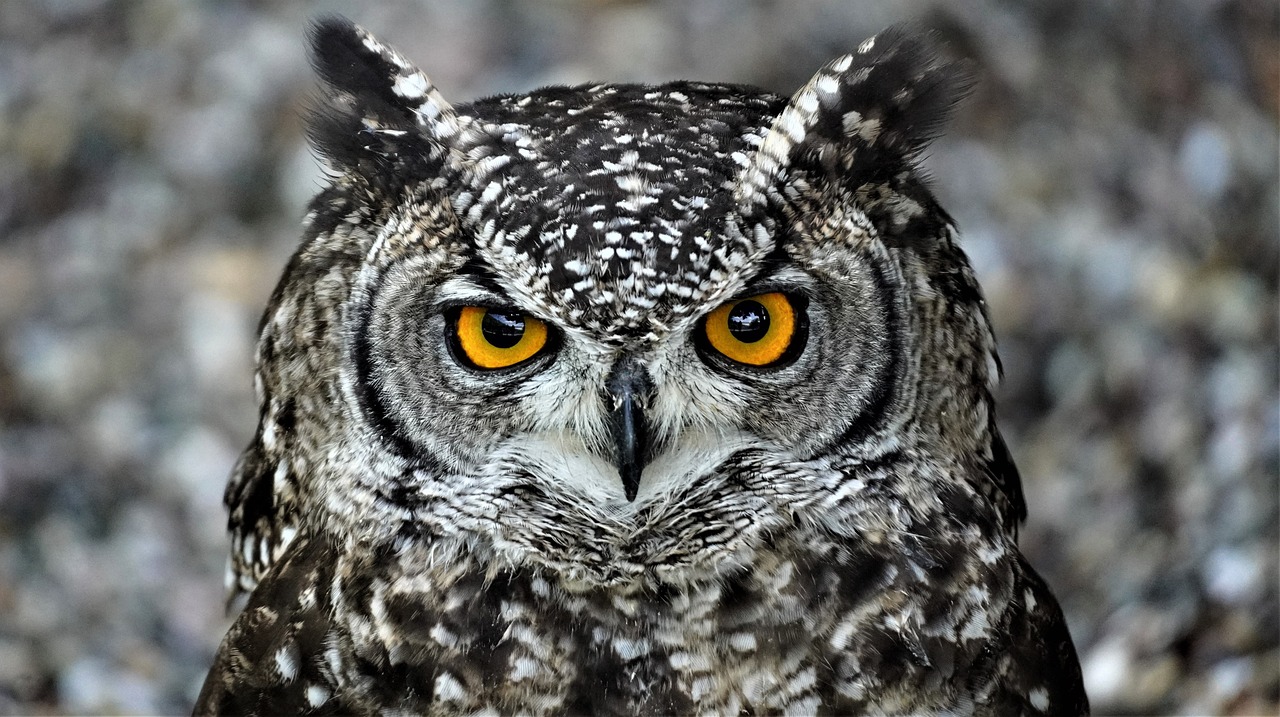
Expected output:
(467, 368)
(613, 329)
(618, 328)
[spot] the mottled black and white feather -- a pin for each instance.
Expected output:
(833, 531)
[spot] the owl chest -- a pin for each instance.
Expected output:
(591, 657)
(756, 639)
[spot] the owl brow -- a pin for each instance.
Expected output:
(474, 283)
(463, 291)
(785, 278)
(482, 274)
(765, 278)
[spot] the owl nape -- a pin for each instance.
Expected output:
(624, 399)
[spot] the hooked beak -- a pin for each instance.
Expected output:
(628, 387)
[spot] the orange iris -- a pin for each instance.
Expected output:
(755, 331)
(498, 338)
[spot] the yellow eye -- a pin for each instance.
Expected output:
(756, 331)
(498, 338)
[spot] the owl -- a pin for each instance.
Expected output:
(632, 399)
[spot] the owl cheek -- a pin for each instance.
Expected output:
(695, 401)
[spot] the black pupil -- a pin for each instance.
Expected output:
(749, 321)
(502, 330)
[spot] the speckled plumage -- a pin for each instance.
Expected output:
(836, 534)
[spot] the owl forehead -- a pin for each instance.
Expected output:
(611, 207)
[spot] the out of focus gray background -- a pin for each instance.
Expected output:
(1114, 177)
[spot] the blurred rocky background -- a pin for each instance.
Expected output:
(1114, 176)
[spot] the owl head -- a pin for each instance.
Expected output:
(620, 332)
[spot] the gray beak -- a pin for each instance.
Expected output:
(629, 388)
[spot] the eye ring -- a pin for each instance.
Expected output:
(490, 338)
(763, 331)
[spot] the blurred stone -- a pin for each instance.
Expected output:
(1205, 159)
(1107, 677)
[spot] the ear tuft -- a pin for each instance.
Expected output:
(378, 105)
(876, 109)
(895, 93)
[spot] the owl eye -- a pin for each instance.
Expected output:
(757, 331)
(498, 338)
